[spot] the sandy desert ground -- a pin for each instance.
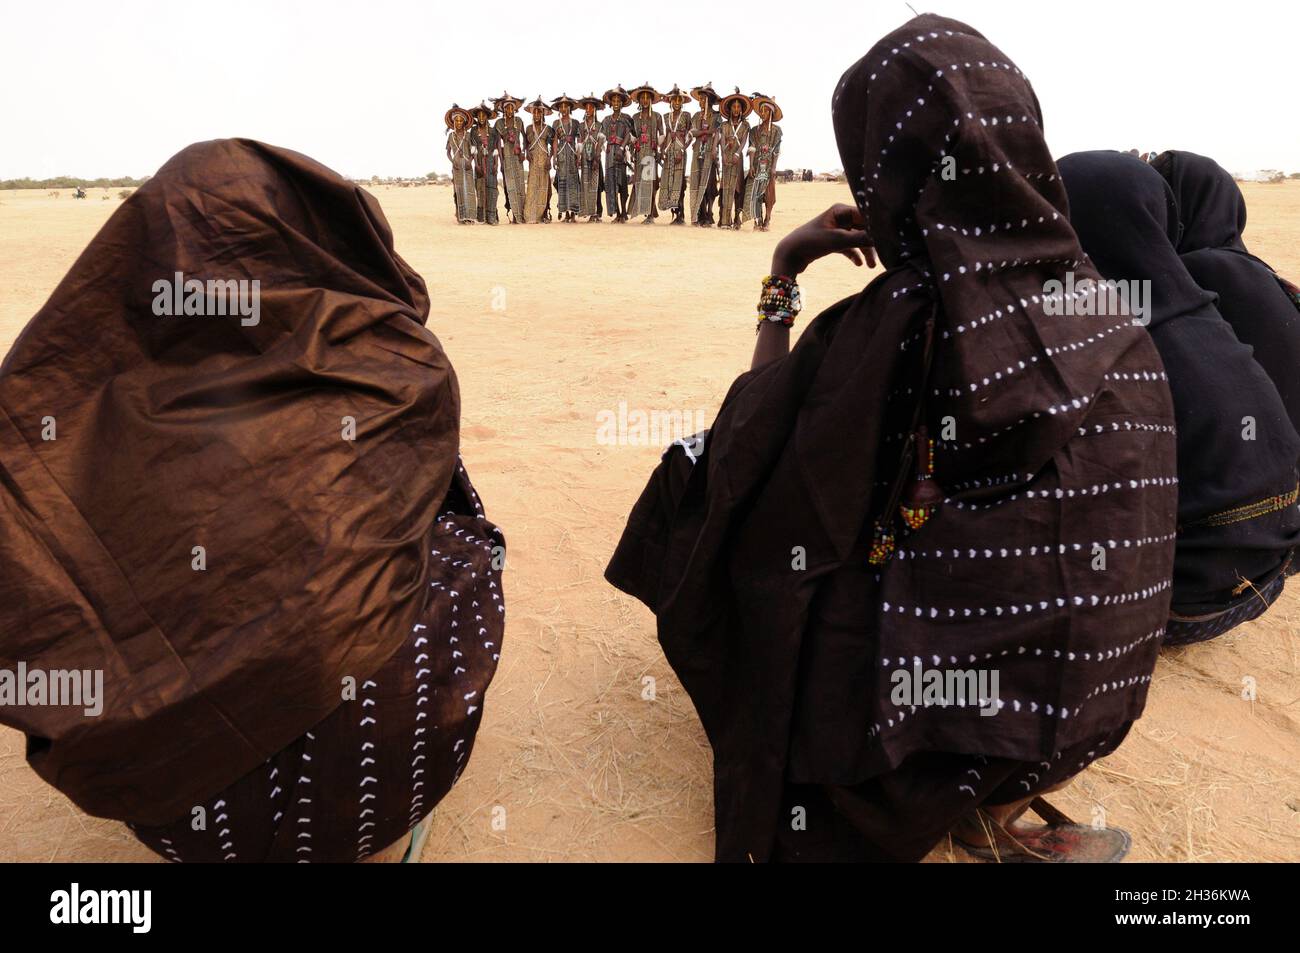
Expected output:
(548, 326)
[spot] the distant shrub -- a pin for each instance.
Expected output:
(125, 194)
(72, 182)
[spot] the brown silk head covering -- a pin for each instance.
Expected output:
(186, 431)
(1054, 444)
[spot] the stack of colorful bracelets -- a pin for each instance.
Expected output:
(779, 301)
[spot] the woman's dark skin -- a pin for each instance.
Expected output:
(838, 229)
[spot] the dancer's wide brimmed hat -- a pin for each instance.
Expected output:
(746, 107)
(675, 95)
(484, 108)
(450, 117)
(500, 101)
(538, 104)
(758, 100)
(618, 91)
(705, 90)
(591, 101)
(562, 100)
(645, 88)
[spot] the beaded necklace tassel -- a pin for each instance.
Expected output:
(916, 499)
(923, 496)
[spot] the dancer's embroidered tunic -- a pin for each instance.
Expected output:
(487, 143)
(735, 137)
(590, 155)
(460, 150)
(764, 148)
(568, 182)
(538, 140)
(617, 131)
(704, 165)
(672, 178)
(513, 172)
(647, 130)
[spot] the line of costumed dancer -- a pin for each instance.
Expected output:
(624, 164)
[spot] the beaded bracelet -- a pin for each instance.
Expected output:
(778, 301)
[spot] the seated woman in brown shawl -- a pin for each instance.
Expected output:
(917, 573)
(230, 483)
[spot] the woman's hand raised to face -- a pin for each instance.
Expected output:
(838, 229)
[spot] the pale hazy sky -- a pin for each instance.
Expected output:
(106, 89)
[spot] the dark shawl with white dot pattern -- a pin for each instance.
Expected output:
(1055, 449)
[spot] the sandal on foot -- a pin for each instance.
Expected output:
(1059, 841)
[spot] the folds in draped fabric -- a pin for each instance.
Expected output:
(1237, 445)
(1041, 454)
(206, 529)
